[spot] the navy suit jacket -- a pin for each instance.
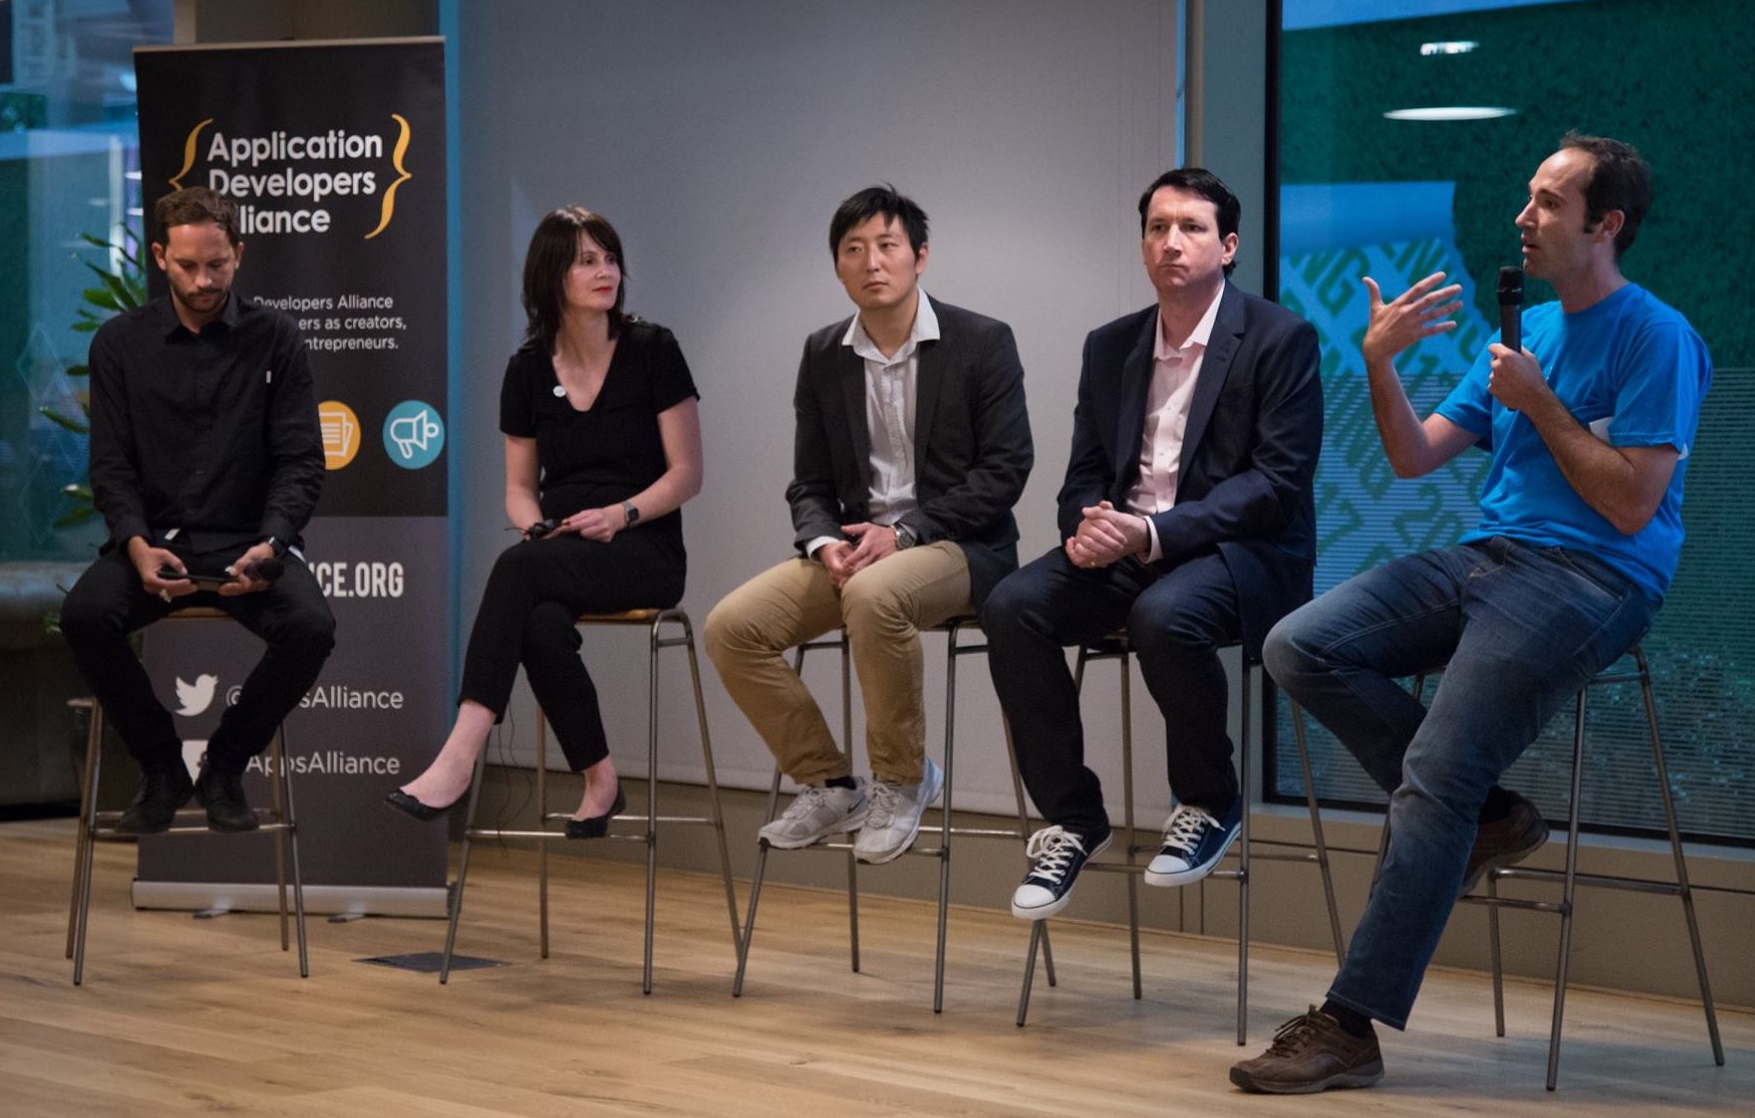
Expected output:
(972, 449)
(1248, 453)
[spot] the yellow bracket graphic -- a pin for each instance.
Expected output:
(189, 153)
(390, 191)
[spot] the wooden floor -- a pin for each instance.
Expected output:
(182, 1017)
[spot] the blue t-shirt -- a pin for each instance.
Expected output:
(1632, 370)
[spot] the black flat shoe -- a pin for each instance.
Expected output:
(408, 805)
(155, 806)
(222, 794)
(596, 826)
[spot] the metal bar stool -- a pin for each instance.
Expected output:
(1116, 647)
(1569, 878)
(95, 825)
(655, 621)
(954, 648)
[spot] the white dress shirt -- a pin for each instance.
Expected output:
(889, 416)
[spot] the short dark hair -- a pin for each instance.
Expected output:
(1620, 179)
(869, 203)
(193, 206)
(553, 248)
(1198, 180)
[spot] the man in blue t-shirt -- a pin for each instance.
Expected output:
(1590, 428)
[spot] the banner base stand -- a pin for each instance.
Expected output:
(352, 900)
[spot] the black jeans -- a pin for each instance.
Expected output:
(535, 592)
(1176, 621)
(108, 604)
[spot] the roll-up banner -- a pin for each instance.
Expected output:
(335, 155)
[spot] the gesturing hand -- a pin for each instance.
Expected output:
(1419, 312)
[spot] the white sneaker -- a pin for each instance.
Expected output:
(894, 822)
(817, 812)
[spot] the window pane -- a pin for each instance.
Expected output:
(1365, 193)
(68, 166)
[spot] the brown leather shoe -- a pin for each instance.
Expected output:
(1309, 1054)
(1521, 833)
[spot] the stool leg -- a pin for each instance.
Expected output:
(1243, 852)
(1568, 894)
(290, 820)
(1038, 934)
(651, 800)
(944, 851)
(749, 919)
(276, 778)
(1683, 888)
(1498, 958)
(714, 808)
(463, 866)
(541, 825)
(1133, 881)
(88, 819)
(1024, 836)
(847, 744)
(93, 733)
(1322, 862)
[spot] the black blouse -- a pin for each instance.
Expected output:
(611, 451)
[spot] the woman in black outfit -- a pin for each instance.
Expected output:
(603, 441)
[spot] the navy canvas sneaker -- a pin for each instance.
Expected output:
(1194, 841)
(1056, 857)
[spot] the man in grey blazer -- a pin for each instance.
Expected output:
(1186, 517)
(912, 445)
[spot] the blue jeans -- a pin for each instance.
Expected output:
(1518, 630)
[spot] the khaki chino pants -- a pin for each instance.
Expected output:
(883, 608)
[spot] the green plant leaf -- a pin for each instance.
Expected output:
(77, 516)
(79, 370)
(114, 294)
(73, 425)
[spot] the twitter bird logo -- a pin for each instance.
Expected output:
(193, 698)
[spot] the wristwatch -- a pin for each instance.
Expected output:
(632, 512)
(904, 536)
(279, 548)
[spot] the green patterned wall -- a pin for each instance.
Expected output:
(1675, 79)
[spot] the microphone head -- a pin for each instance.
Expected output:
(268, 569)
(1510, 286)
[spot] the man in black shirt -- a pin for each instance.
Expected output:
(206, 460)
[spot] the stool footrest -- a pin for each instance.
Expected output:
(1599, 881)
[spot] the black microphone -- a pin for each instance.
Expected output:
(1511, 308)
(265, 570)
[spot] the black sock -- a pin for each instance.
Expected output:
(846, 782)
(1497, 807)
(1353, 1023)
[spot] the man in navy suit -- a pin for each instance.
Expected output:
(1186, 517)
(912, 445)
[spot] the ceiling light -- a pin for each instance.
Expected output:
(1450, 112)
(1459, 46)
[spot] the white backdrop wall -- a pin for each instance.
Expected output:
(719, 139)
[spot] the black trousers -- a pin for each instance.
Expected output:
(535, 592)
(108, 604)
(1176, 621)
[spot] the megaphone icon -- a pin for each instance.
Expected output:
(413, 432)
